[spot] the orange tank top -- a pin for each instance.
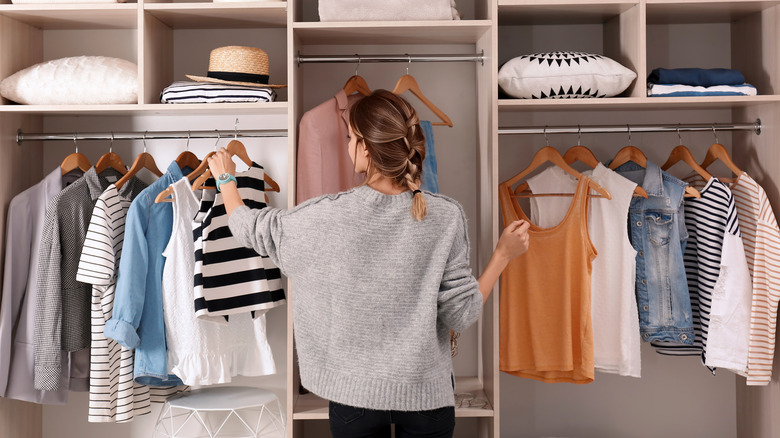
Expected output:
(546, 326)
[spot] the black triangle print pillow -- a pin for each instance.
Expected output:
(563, 75)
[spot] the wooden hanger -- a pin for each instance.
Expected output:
(407, 82)
(718, 152)
(112, 160)
(586, 156)
(626, 154)
(74, 161)
(682, 153)
(631, 153)
(552, 155)
(143, 161)
(581, 153)
(357, 84)
(235, 148)
(187, 158)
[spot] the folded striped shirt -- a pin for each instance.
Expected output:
(205, 92)
(656, 90)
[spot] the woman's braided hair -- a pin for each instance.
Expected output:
(390, 129)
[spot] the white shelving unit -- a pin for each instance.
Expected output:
(501, 29)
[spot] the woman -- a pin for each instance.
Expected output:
(380, 275)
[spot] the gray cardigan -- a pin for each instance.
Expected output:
(375, 293)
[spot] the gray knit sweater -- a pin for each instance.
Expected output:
(375, 293)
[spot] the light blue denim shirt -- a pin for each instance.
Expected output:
(430, 178)
(658, 234)
(137, 319)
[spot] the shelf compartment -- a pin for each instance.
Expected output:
(383, 32)
(266, 108)
(704, 11)
(524, 12)
(634, 103)
(312, 407)
(74, 16)
(219, 15)
(611, 28)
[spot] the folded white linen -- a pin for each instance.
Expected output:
(657, 90)
(383, 10)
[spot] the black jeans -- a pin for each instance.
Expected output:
(350, 422)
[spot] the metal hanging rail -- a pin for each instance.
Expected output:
(149, 135)
(629, 128)
(359, 59)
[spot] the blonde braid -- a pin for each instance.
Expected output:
(413, 171)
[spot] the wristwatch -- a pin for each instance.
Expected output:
(225, 178)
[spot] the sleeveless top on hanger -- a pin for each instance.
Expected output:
(546, 327)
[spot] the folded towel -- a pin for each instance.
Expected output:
(696, 76)
(204, 92)
(664, 90)
(384, 10)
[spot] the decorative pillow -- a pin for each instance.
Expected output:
(79, 80)
(563, 75)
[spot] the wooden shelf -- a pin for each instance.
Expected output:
(265, 108)
(703, 11)
(75, 16)
(219, 15)
(311, 407)
(383, 32)
(524, 12)
(634, 103)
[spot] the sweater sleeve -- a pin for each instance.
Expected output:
(261, 230)
(459, 301)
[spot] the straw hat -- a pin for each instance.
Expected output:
(238, 65)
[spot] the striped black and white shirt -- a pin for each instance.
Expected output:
(707, 219)
(231, 278)
(113, 396)
(204, 92)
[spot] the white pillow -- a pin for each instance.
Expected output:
(563, 75)
(80, 80)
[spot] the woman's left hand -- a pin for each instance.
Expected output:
(514, 240)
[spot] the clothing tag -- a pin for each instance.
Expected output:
(111, 178)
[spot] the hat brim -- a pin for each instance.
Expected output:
(221, 81)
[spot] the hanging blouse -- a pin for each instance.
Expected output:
(718, 278)
(201, 352)
(613, 302)
(761, 238)
(231, 278)
(113, 396)
(546, 329)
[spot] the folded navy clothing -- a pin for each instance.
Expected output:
(702, 77)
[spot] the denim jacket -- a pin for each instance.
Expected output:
(658, 234)
(137, 319)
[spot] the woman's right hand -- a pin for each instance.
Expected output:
(222, 162)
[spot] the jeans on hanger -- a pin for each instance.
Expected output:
(351, 422)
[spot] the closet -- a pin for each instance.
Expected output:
(675, 397)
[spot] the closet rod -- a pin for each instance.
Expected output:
(630, 128)
(149, 135)
(476, 57)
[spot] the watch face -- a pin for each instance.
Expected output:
(224, 177)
